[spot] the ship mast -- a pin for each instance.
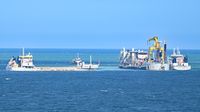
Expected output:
(90, 59)
(22, 51)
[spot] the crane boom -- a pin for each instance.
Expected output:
(156, 47)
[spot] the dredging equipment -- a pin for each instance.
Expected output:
(133, 59)
(157, 56)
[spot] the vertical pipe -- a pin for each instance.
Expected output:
(165, 51)
(22, 51)
(90, 59)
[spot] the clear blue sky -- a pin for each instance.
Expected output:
(98, 23)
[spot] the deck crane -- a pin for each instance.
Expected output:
(160, 51)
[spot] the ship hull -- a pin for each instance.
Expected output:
(21, 69)
(133, 67)
(182, 68)
(158, 67)
(89, 66)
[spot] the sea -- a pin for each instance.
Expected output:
(108, 89)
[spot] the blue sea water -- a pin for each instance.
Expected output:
(107, 90)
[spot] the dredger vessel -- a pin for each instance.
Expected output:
(155, 59)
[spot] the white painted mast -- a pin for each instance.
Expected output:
(22, 51)
(90, 59)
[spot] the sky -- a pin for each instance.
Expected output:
(104, 24)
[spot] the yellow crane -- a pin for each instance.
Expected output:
(156, 47)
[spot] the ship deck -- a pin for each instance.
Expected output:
(59, 69)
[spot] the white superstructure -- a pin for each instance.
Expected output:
(21, 63)
(179, 61)
(83, 65)
(77, 60)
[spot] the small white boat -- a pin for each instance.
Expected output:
(88, 66)
(179, 61)
(21, 63)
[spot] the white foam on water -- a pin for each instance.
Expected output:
(105, 91)
(7, 79)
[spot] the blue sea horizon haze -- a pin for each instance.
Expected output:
(98, 23)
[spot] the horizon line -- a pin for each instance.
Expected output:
(90, 48)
